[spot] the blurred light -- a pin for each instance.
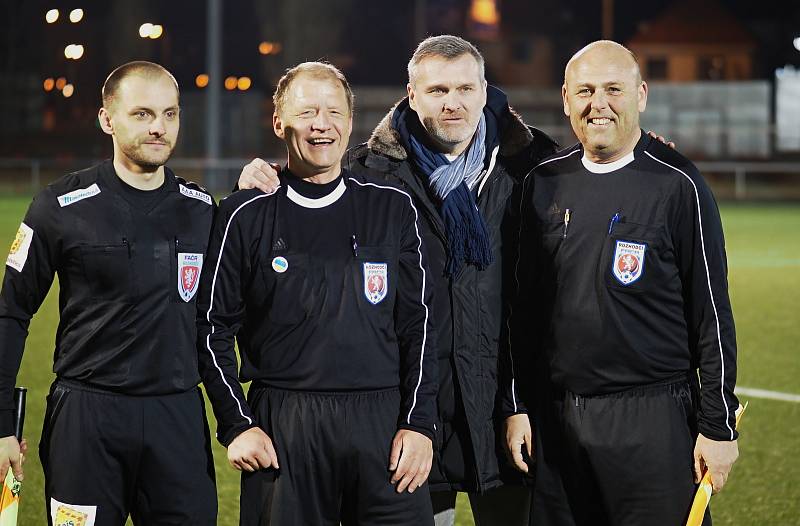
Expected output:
(73, 51)
(156, 32)
(201, 80)
(244, 83)
(49, 84)
(145, 29)
(230, 83)
(76, 15)
(269, 48)
(68, 90)
(51, 16)
(796, 43)
(60, 83)
(484, 12)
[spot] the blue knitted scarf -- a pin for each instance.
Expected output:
(466, 231)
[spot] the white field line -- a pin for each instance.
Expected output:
(771, 395)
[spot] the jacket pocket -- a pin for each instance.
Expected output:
(107, 270)
(289, 288)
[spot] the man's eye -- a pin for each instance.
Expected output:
(584, 91)
(141, 114)
(437, 91)
(466, 88)
(614, 89)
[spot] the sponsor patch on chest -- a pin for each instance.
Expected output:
(376, 281)
(18, 254)
(195, 194)
(628, 262)
(71, 514)
(78, 195)
(189, 267)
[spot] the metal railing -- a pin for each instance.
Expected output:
(221, 174)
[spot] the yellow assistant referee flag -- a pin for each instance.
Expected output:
(703, 495)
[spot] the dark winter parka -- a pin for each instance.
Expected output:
(468, 309)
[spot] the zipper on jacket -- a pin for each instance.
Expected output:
(567, 215)
(127, 246)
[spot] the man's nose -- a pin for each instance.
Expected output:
(157, 127)
(599, 99)
(321, 121)
(451, 102)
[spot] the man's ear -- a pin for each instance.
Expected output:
(642, 96)
(277, 126)
(564, 99)
(104, 118)
(411, 96)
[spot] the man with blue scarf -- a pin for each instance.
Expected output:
(460, 151)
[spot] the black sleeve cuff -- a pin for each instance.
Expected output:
(225, 438)
(428, 432)
(6, 423)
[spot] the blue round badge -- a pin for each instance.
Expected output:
(279, 264)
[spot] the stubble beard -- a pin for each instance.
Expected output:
(452, 137)
(138, 155)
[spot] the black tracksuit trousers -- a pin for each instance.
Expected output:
(624, 459)
(333, 451)
(107, 455)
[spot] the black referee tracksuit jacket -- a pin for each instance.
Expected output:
(345, 313)
(623, 282)
(128, 281)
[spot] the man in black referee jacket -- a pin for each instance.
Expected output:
(323, 284)
(622, 301)
(125, 429)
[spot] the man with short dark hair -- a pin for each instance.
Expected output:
(324, 285)
(622, 306)
(125, 429)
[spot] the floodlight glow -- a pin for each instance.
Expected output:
(145, 29)
(49, 84)
(76, 15)
(244, 83)
(68, 90)
(51, 16)
(796, 43)
(156, 32)
(60, 83)
(230, 83)
(73, 51)
(201, 80)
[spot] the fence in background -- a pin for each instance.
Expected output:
(768, 180)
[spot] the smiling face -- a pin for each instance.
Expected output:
(603, 95)
(143, 119)
(315, 123)
(448, 96)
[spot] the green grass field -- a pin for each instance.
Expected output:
(764, 257)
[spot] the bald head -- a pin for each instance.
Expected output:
(603, 96)
(605, 51)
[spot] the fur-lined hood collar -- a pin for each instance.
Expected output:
(514, 137)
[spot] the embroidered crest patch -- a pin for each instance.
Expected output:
(71, 515)
(376, 281)
(189, 267)
(628, 263)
